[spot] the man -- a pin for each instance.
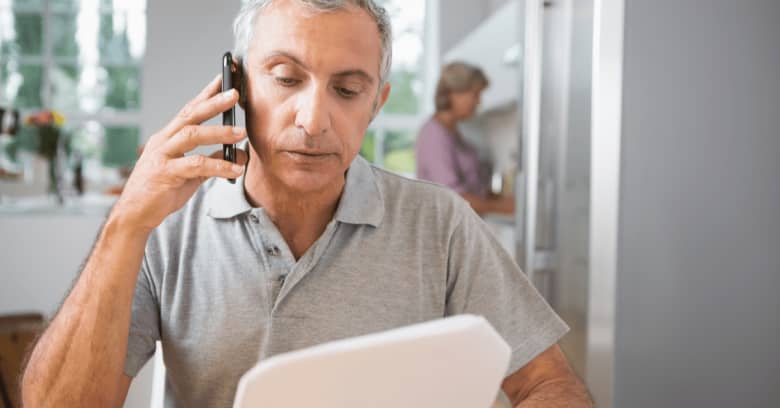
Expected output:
(311, 244)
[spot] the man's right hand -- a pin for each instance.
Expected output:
(164, 178)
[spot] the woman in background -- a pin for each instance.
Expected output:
(443, 155)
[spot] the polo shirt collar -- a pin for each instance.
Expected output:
(361, 201)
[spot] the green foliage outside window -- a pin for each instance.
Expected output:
(399, 148)
(124, 91)
(121, 143)
(28, 3)
(29, 34)
(403, 99)
(367, 150)
(63, 29)
(29, 96)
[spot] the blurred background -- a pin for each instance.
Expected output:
(638, 138)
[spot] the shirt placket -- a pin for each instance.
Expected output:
(307, 262)
(272, 251)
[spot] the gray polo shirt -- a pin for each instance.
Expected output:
(220, 288)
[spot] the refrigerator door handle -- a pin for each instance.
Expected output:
(529, 105)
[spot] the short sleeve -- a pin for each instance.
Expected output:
(436, 158)
(484, 280)
(144, 324)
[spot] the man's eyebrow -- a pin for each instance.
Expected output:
(295, 60)
(356, 72)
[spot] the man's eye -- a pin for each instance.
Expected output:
(346, 92)
(284, 81)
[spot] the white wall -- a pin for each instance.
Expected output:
(40, 256)
(458, 17)
(185, 43)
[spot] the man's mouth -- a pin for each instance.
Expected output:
(308, 155)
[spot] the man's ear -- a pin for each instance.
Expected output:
(384, 93)
(240, 83)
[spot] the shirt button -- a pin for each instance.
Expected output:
(254, 218)
(273, 251)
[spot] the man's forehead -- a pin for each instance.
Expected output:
(345, 40)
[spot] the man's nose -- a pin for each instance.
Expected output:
(313, 111)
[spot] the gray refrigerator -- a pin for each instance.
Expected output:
(657, 123)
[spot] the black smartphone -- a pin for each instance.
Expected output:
(229, 116)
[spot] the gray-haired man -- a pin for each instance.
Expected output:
(311, 244)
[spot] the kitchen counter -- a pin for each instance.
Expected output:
(88, 204)
(503, 227)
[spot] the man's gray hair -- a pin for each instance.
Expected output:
(243, 26)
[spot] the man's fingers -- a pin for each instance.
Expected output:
(242, 157)
(159, 138)
(198, 166)
(210, 90)
(195, 113)
(200, 111)
(192, 136)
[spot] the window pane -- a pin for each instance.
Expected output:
(74, 4)
(63, 35)
(29, 33)
(408, 18)
(28, 3)
(121, 144)
(124, 92)
(368, 149)
(30, 92)
(90, 89)
(103, 5)
(21, 33)
(63, 81)
(399, 152)
(122, 37)
(65, 4)
(404, 94)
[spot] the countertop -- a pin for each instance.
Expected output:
(90, 204)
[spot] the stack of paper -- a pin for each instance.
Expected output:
(457, 362)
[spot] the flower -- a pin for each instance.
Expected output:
(45, 118)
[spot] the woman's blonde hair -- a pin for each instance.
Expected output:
(457, 77)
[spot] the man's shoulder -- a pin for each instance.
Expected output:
(184, 220)
(401, 193)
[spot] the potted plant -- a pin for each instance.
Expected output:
(46, 138)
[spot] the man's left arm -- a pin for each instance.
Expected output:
(546, 381)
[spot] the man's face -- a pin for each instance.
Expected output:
(312, 89)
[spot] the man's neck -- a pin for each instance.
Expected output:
(300, 217)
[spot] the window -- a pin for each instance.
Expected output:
(389, 141)
(81, 58)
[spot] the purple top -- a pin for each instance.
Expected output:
(445, 158)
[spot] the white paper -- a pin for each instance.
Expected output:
(456, 362)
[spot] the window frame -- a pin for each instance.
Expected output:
(113, 122)
(48, 61)
(405, 122)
